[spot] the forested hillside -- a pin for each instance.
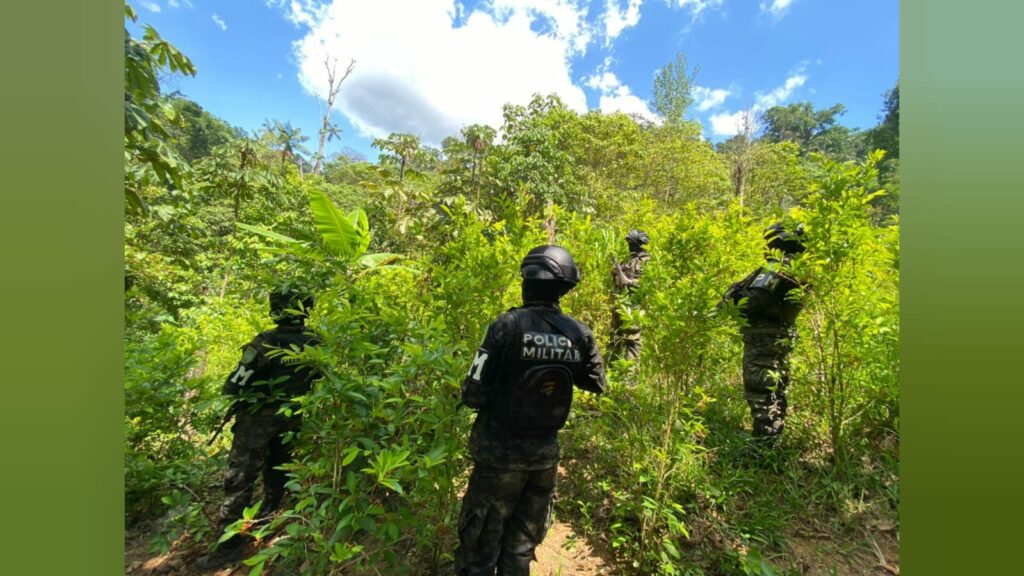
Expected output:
(411, 255)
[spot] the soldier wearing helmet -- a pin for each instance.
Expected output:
(626, 277)
(769, 308)
(264, 379)
(521, 382)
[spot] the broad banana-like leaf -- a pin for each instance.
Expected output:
(378, 259)
(338, 233)
(299, 250)
(135, 202)
(269, 234)
(358, 220)
(291, 245)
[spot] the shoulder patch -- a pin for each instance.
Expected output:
(249, 354)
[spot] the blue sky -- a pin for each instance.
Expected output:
(431, 66)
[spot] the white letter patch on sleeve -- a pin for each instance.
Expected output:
(477, 368)
(243, 374)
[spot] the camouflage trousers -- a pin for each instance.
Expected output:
(625, 339)
(257, 449)
(765, 378)
(505, 516)
(628, 345)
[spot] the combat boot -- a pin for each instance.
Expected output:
(228, 552)
(759, 451)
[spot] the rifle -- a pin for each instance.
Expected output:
(224, 422)
(621, 281)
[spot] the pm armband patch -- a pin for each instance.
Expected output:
(241, 376)
(477, 369)
(766, 281)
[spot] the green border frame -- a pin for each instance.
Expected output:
(62, 426)
(961, 395)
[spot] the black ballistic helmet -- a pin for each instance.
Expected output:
(550, 263)
(637, 238)
(778, 238)
(282, 301)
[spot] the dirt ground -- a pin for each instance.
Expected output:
(565, 553)
(562, 553)
(814, 554)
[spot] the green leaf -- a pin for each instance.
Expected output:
(257, 569)
(135, 202)
(249, 513)
(378, 259)
(340, 237)
(350, 456)
(269, 234)
(362, 227)
(671, 549)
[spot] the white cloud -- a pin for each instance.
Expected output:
(179, 4)
(219, 22)
(778, 95)
(731, 123)
(605, 81)
(566, 18)
(151, 6)
(696, 6)
(616, 20)
(622, 100)
(727, 124)
(776, 7)
(417, 72)
(616, 96)
(708, 98)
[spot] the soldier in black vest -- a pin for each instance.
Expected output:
(521, 381)
(263, 381)
(626, 277)
(770, 312)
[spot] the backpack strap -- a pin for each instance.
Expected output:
(563, 325)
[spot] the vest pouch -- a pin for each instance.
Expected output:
(538, 405)
(763, 300)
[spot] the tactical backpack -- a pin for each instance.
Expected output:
(765, 291)
(536, 402)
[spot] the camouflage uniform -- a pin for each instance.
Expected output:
(506, 511)
(626, 339)
(261, 383)
(767, 340)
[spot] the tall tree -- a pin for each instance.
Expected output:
(287, 139)
(399, 149)
(672, 90)
(813, 130)
(199, 131)
(151, 160)
(464, 159)
(887, 134)
(329, 130)
(739, 151)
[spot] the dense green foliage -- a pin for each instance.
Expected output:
(412, 256)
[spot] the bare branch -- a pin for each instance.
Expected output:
(333, 87)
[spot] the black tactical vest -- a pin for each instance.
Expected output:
(541, 366)
(276, 378)
(765, 291)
